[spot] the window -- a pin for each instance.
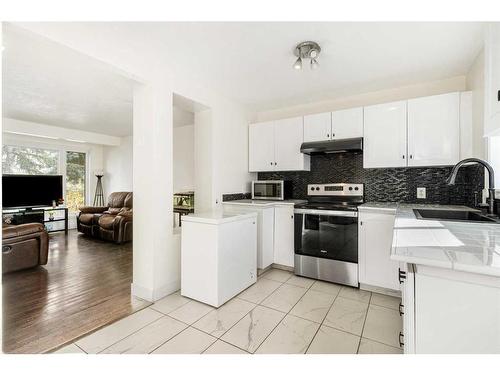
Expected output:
(26, 160)
(75, 179)
(36, 161)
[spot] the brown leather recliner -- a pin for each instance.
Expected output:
(24, 246)
(112, 222)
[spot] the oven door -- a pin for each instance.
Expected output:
(327, 234)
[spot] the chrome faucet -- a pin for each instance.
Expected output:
(451, 179)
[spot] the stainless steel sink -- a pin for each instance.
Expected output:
(454, 215)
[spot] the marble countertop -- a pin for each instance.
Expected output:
(264, 203)
(460, 246)
(378, 206)
(217, 217)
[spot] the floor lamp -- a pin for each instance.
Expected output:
(99, 192)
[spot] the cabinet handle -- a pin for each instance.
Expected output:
(401, 312)
(291, 216)
(403, 156)
(411, 156)
(401, 275)
(271, 163)
(401, 339)
(275, 163)
(360, 223)
(333, 135)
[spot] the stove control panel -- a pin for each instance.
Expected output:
(335, 189)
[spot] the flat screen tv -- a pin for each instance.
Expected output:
(30, 191)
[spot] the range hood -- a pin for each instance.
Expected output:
(331, 147)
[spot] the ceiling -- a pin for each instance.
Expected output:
(248, 62)
(48, 83)
(252, 62)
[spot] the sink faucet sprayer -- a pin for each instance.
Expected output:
(451, 179)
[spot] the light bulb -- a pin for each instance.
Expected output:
(298, 64)
(314, 63)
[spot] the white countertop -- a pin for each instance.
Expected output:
(217, 217)
(460, 246)
(378, 206)
(264, 203)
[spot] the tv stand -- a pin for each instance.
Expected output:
(37, 215)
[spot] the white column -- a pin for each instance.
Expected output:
(156, 255)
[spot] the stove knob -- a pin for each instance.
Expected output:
(356, 188)
(350, 188)
(312, 188)
(317, 188)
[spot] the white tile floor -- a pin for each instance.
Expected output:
(281, 313)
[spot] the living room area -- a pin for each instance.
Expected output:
(67, 149)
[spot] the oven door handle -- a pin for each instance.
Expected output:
(325, 212)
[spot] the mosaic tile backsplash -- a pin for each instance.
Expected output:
(387, 184)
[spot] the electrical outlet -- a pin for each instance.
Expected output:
(421, 194)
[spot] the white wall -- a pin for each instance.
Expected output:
(118, 167)
(369, 98)
(183, 145)
(156, 255)
(475, 83)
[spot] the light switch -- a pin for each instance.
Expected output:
(421, 194)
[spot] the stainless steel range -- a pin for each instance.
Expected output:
(326, 233)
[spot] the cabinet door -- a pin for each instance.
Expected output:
(317, 127)
(347, 123)
(261, 147)
(288, 136)
(434, 130)
(375, 241)
(385, 135)
(283, 235)
(492, 80)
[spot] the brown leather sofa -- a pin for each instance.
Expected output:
(110, 223)
(24, 246)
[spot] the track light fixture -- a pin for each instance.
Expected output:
(307, 50)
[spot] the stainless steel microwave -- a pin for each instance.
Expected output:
(271, 190)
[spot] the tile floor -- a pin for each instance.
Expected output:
(280, 313)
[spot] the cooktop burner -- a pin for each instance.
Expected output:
(333, 197)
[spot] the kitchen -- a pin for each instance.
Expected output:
(338, 220)
(364, 197)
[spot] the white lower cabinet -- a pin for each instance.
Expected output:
(283, 235)
(406, 278)
(449, 312)
(376, 269)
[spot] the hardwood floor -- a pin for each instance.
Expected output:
(85, 285)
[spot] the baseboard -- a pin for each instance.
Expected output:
(284, 268)
(376, 289)
(156, 294)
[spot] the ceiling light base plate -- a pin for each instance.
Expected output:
(303, 50)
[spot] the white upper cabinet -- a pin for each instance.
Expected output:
(261, 147)
(385, 135)
(318, 127)
(492, 81)
(434, 130)
(347, 123)
(288, 137)
(275, 146)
